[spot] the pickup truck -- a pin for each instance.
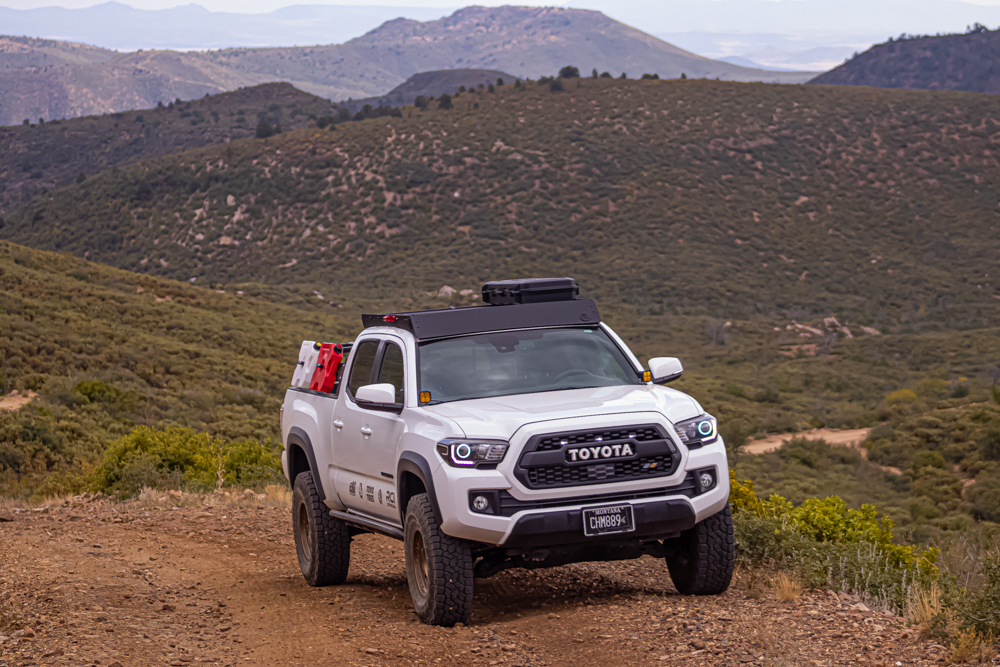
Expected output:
(518, 433)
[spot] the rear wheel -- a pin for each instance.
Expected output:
(322, 543)
(702, 558)
(438, 567)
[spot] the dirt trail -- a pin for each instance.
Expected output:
(853, 438)
(850, 438)
(110, 584)
(16, 400)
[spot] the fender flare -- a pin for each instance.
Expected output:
(416, 465)
(299, 438)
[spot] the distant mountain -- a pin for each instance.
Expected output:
(54, 154)
(524, 41)
(432, 84)
(32, 53)
(969, 62)
(190, 26)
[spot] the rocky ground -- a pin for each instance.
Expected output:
(171, 581)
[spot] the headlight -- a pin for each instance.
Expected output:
(472, 453)
(703, 430)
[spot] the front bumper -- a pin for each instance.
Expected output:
(661, 507)
(653, 520)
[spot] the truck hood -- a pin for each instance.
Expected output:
(502, 416)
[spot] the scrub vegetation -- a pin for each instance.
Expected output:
(818, 257)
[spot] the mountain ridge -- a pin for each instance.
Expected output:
(962, 62)
(524, 41)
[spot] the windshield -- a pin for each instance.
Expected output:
(522, 362)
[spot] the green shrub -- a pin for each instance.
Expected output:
(179, 456)
(828, 544)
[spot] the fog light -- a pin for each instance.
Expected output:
(480, 503)
(707, 480)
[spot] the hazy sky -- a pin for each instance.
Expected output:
(253, 6)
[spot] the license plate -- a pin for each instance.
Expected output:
(608, 520)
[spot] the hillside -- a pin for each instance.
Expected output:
(107, 349)
(53, 154)
(18, 53)
(687, 197)
(969, 62)
(523, 41)
(432, 84)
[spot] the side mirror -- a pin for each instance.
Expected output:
(665, 369)
(378, 397)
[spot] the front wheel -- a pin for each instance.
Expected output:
(438, 567)
(322, 543)
(702, 559)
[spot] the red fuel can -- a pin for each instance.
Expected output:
(325, 375)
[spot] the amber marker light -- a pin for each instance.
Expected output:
(647, 376)
(425, 397)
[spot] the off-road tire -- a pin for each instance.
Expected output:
(438, 567)
(702, 558)
(322, 543)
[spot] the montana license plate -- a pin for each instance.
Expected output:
(608, 520)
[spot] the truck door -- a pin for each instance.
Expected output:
(365, 440)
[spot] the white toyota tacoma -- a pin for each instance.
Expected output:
(519, 433)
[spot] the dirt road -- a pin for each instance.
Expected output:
(114, 584)
(848, 437)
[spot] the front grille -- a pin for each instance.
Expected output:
(638, 434)
(509, 505)
(614, 471)
(542, 465)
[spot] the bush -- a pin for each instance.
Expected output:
(901, 396)
(569, 72)
(828, 544)
(264, 130)
(445, 102)
(984, 496)
(555, 86)
(176, 457)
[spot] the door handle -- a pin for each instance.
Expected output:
(338, 424)
(365, 430)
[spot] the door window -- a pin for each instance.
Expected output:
(361, 370)
(391, 370)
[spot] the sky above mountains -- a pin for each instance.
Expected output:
(810, 35)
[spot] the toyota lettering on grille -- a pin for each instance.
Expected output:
(599, 452)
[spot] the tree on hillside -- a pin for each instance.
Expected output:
(420, 102)
(606, 75)
(623, 76)
(555, 86)
(264, 130)
(499, 80)
(569, 72)
(445, 102)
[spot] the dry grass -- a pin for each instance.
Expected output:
(8, 505)
(758, 633)
(922, 607)
(274, 495)
(971, 647)
(786, 588)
